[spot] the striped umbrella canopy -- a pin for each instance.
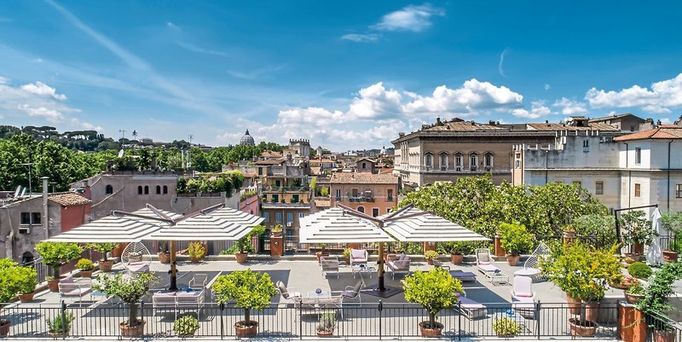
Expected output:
(415, 225)
(223, 224)
(119, 227)
(336, 226)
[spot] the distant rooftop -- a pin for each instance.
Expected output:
(363, 178)
(665, 132)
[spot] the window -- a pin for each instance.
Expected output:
(266, 216)
(443, 161)
(275, 198)
(517, 164)
(290, 218)
(146, 189)
(459, 162)
(30, 218)
(473, 162)
(278, 218)
(599, 188)
(361, 209)
(364, 165)
(375, 212)
(678, 191)
(165, 189)
(586, 145)
(109, 189)
(638, 155)
(338, 194)
(158, 189)
(388, 210)
(301, 215)
(354, 192)
(638, 190)
(260, 171)
(294, 198)
(389, 195)
(488, 160)
(428, 160)
(278, 183)
(139, 190)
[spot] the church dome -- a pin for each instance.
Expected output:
(247, 139)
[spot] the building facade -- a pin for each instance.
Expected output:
(372, 194)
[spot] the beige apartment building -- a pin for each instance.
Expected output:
(372, 194)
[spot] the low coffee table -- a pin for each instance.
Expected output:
(363, 268)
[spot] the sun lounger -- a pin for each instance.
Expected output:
(484, 264)
(399, 265)
(523, 297)
(330, 265)
(471, 308)
(463, 276)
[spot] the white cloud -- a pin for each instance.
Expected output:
(50, 114)
(570, 107)
(410, 18)
(660, 98)
(537, 110)
(500, 65)
(361, 37)
(42, 89)
(375, 101)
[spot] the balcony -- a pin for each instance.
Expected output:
(291, 188)
(360, 198)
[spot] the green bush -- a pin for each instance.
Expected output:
(636, 289)
(506, 327)
(596, 228)
(27, 278)
(673, 223)
(56, 254)
(60, 325)
(85, 264)
(245, 242)
(639, 270)
(10, 284)
(515, 238)
(247, 289)
(431, 255)
(196, 250)
(636, 228)
(660, 286)
(130, 289)
(186, 326)
(102, 248)
(460, 247)
(435, 290)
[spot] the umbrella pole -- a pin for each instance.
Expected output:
(173, 269)
(380, 265)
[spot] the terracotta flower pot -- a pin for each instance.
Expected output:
(325, 333)
(4, 327)
(669, 256)
(513, 260)
(86, 274)
(134, 331)
(428, 331)
(664, 336)
(26, 297)
(164, 257)
(456, 259)
(118, 250)
(592, 312)
(246, 329)
(53, 284)
(586, 330)
(241, 257)
(106, 265)
(573, 305)
(633, 298)
(638, 249)
(429, 261)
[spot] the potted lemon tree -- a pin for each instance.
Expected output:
(10, 285)
(56, 254)
(28, 279)
(86, 267)
(434, 290)
(515, 239)
(103, 248)
(196, 251)
(129, 290)
(249, 291)
(243, 245)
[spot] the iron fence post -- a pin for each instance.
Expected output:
(300, 322)
(222, 324)
(63, 314)
(459, 320)
(380, 308)
(142, 312)
(537, 316)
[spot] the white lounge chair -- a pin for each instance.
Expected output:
(399, 265)
(523, 297)
(358, 256)
(68, 287)
(484, 264)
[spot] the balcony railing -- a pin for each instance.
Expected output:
(291, 188)
(360, 199)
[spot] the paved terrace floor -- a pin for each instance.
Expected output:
(98, 316)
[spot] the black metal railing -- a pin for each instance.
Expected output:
(371, 320)
(662, 328)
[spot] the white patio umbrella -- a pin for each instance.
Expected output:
(654, 256)
(338, 225)
(414, 225)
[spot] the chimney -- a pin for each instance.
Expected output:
(46, 217)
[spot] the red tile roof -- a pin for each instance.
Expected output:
(69, 199)
(663, 132)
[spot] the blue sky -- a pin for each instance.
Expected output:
(346, 74)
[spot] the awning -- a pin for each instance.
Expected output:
(335, 226)
(118, 228)
(415, 225)
(224, 224)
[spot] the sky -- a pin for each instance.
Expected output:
(344, 74)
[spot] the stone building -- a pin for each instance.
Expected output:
(365, 165)
(372, 194)
(625, 122)
(247, 139)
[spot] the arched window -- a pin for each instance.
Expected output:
(488, 161)
(109, 189)
(146, 189)
(361, 209)
(158, 189)
(473, 162)
(165, 189)
(428, 160)
(443, 161)
(459, 162)
(139, 190)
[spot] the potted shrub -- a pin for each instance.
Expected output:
(28, 280)
(506, 327)
(327, 324)
(583, 273)
(56, 254)
(625, 283)
(655, 301)
(164, 254)
(430, 256)
(185, 326)
(277, 230)
(673, 224)
(346, 255)
(639, 270)
(196, 251)
(637, 231)
(515, 239)
(634, 294)
(248, 290)
(455, 249)
(10, 285)
(86, 267)
(434, 290)
(103, 248)
(129, 289)
(243, 245)
(60, 325)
